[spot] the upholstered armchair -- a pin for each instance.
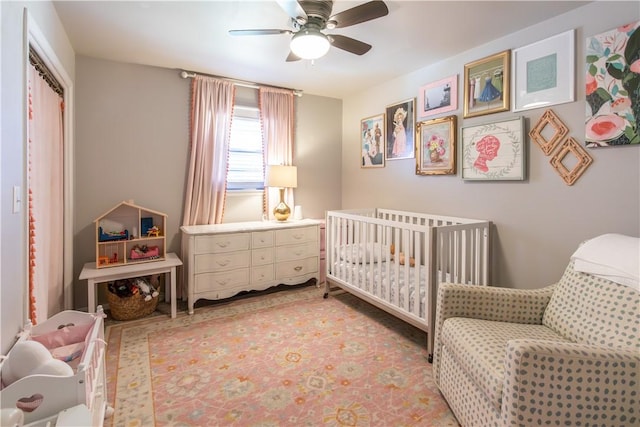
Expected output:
(566, 354)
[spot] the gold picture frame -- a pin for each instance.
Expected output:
(487, 83)
(436, 146)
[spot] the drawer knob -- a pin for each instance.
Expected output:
(298, 236)
(223, 263)
(223, 244)
(298, 268)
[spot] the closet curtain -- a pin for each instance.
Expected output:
(276, 115)
(211, 112)
(46, 201)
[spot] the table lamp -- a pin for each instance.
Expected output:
(282, 177)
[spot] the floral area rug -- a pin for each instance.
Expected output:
(289, 358)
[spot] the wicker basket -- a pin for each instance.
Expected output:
(129, 308)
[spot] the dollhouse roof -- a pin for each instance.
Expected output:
(130, 204)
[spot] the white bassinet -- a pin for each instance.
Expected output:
(48, 395)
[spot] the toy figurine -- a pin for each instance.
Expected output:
(153, 231)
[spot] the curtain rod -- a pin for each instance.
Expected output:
(45, 73)
(186, 74)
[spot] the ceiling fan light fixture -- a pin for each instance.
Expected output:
(309, 44)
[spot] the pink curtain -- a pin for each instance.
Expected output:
(46, 202)
(276, 115)
(211, 112)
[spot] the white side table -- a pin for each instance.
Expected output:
(168, 266)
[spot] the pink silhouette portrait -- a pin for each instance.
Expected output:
(487, 149)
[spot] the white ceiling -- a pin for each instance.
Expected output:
(194, 36)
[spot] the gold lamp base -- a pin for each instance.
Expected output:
(281, 212)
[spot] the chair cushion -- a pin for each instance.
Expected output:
(591, 310)
(479, 347)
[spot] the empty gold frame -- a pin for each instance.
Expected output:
(550, 119)
(584, 160)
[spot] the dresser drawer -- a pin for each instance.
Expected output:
(296, 235)
(300, 267)
(288, 253)
(211, 282)
(262, 274)
(221, 262)
(262, 256)
(262, 239)
(222, 243)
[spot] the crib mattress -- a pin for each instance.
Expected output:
(376, 280)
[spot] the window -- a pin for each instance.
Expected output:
(246, 160)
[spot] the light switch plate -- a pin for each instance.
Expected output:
(17, 199)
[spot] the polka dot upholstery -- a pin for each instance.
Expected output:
(588, 309)
(481, 302)
(483, 343)
(567, 354)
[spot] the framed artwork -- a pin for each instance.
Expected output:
(543, 73)
(372, 141)
(438, 97)
(401, 120)
(486, 85)
(436, 149)
(494, 151)
(613, 88)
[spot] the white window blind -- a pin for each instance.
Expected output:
(246, 160)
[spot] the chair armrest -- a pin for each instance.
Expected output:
(488, 303)
(550, 382)
(491, 303)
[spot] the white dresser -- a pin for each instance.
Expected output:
(221, 260)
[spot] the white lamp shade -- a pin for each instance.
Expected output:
(281, 176)
(309, 44)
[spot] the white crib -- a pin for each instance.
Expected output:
(443, 249)
(57, 393)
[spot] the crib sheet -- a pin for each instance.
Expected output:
(374, 279)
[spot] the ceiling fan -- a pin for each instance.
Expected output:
(310, 17)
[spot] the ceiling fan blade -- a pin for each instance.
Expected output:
(293, 57)
(294, 10)
(350, 45)
(258, 32)
(362, 13)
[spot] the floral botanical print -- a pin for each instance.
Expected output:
(613, 87)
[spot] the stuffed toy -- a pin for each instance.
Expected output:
(128, 287)
(146, 290)
(401, 258)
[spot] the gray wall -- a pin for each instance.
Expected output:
(131, 143)
(13, 240)
(132, 139)
(538, 222)
(317, 152)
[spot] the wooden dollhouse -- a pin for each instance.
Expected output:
(128, 233)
